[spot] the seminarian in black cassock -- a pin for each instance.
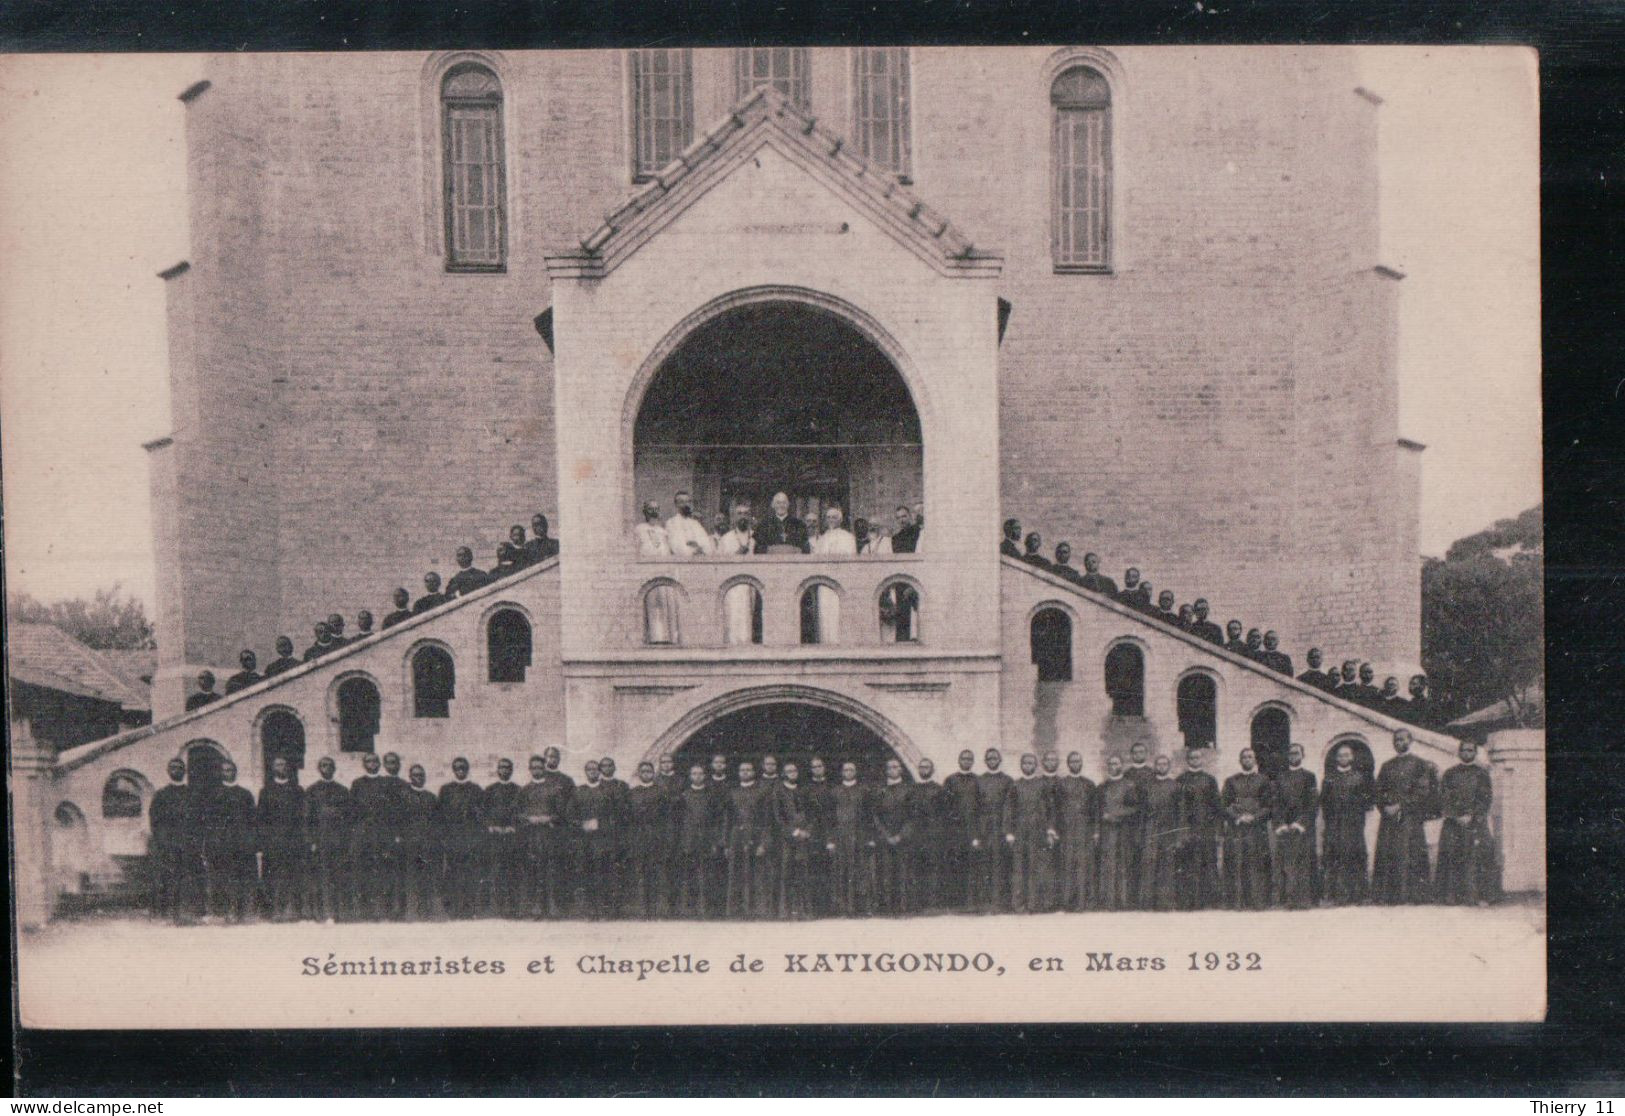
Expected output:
(281, 818)
(395, 867)
(1408, 796)
(930, 844)
(1246, 800)
(995, 834)
(460, 827)
(1078, 812)
(1032, 821)
(329, 819)
(370, 797)
(645, 845)
(419, 849)
(503, 865)
(701, 834)
(230, 847)
(796, 841)
(1201, 814)
(1122, 809)
(851, 845)
(1159, 867)
(819, 807)
(1293, 810)
(1140, 772)
(1348, 795)
(596, 808)
(962, 841)
(1467, 871)
(894, 842)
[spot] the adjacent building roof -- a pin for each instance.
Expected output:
(1499, 715)
(46, 656)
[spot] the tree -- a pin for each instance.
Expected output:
(1483, 620)
(109, 621)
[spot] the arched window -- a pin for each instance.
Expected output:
(507, 646)
(1271, 736)
(1364, 761)
(69, 816)
(900, 613)
(784, 68)
(358, 714)
(434, 682)
(662, 108)
(1051, 639)
(880, 110)
(1081, 101)
(741, 614)
(1125, 680)
(1198, 706)
(662, 602)
(203, 762)
(124, 795)
(820, 614)
(475, 188)
(282, 736)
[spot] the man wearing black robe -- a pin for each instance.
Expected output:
(1365, 693)
(1314, 676)
(645, 807)
(781, 528)
(468, 577)
(618, 793)
(1165, 608)
(670, 785)
(596, 807)
(1159, 869)
(363, 625)
(701, 835)
(1390, 701)
(403, 609)
(1010, 545)
(750, 822)
(1094, 580)
(371, 795)
(1347, 796)
(459, 831)
(281, 818)
(995, 830)
(1233, 640)
(1202, 627)
(850, 843)
(1407, 796)
(323, 642)
(894, 842)
(419, 863)
(329, 819)
(541, 546)
(1032, 822)
(1255, 645)
(962, 842)
(432, 596)
(1122, 808)
(247, 676)
(1142, 602)
(1348, 680)
(1186, 618)
(1467, 873)
(1273, 657)
(1293, 809)
(1034, 554)
(205, 694)
(284, 658)
(818, 806)
(510, 553)
(394, 866)
(767, 883)
(1201, 813)
(1246, 802)
(1077, 812)
(1130, 595)
(1419, 710)
(545, 834)
(717, 779)
(503, 857)
(231, 847)
(906, 538)
(795, 841)
(929, 804)
(335, 627)
(1062, 566)
(175, 877)
(1140, 772)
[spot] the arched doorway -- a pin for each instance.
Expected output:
(204, 759)
(773, 396)
(1271, 736)
(282, 736)
(794, 732)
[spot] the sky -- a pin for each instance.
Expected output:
(93, 205)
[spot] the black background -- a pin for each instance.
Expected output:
(1577, 1053)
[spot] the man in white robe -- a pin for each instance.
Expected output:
(741, 540)
(686, 535)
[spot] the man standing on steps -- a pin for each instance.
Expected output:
(1062, 566)
(1273, 657)
(432, 596)
(1202, 627)
(403, 609)
(284, 658)
(1233, 640)
(323, 642)
(205, 691)
(1407, 796)
(335, 628)
(1094, 580)
(468, 576)
(1010, 545)
(1314, 676)
(363, 626)
(1034, 554)
(541, 546)
(1165, 608)
(246, 677)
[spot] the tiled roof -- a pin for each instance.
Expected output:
(45, 655)
(766, 110)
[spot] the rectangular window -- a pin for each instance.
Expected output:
(1080, 187)
(880, 107)
(662, 109)
(784, 68)
(474, 188)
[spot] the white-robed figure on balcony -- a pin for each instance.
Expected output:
(660, 603)
(685, 534)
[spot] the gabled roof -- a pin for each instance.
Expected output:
(767, 117)
(46, 656)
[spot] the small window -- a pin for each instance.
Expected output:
(662, 603)
(434, 682)
(784, 68)
(880, 108)
(507, 646)
(900, 614)
(1081, 101)
(122, 795)
(742, 614)
(282, 736)
(69, 816)
(1051, 638)
(662, 108)
(1198, 707)
(1271, 737)
(475, 187)
(820, 614)
(358, 715)
(1125, 680)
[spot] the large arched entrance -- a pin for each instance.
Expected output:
(792, 731)
(772, 396)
